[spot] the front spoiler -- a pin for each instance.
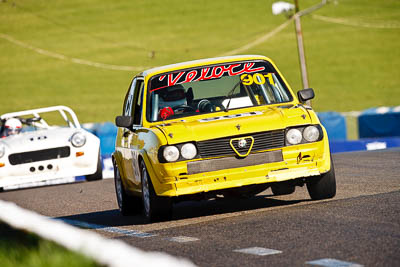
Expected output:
(12, 175)
(237, 177)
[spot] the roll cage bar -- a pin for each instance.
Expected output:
(39, 122)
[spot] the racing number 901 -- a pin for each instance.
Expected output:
(258, 78)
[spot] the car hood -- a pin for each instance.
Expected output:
(40, 139)
(235, 123)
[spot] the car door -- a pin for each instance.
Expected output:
(130, 136)
(124, 142)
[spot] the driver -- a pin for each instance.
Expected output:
(12, 126)
(170, 98)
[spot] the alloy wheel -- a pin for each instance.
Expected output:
(146, 191)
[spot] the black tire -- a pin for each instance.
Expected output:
(98, 175)
(128, 205)
(245, 192)
(155, 208)
(283, 188)
(323, 186)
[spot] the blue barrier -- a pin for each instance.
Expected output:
(338, 146)
(335, 125)
(107, 133)
(379, 122)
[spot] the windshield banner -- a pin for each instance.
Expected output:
(206, 73)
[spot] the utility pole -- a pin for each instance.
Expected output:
(300, 45)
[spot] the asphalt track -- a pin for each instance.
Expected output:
(360, 226)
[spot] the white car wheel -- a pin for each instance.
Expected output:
(98, 175)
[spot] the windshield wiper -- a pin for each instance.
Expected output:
(230, 95)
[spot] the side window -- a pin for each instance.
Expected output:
(129, 99)
(137, 103)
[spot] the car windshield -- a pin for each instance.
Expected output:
(214, 88)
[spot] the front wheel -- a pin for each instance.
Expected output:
(98, 175)
(155, 208)
(323, 186)
(128, 205)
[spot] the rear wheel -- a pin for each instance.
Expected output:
(323, 186)
(283, 188)
(245, 192)
(155, 208)
(128, 205)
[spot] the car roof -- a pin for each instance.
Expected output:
(200, 62)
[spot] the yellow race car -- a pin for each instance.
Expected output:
(228, 126)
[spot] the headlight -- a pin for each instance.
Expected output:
(2, 149)
(293, 136)
(188, 151)
(78, 139)
(171, 153)
(311, 133)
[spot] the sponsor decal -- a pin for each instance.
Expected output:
(376, 145)
(257, 78)
(208, 73)
(235, 116)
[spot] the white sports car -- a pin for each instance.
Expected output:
(43, 152)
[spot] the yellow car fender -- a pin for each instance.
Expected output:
(159, 188)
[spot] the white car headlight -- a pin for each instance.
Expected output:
(294, 136)
(188, 151)
(171, 153)
(2, 149)
(311, 133)
(78, 139)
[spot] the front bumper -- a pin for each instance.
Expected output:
(46, 170)
(292, 162)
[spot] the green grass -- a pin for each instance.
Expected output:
(350, 68)
(22, 249)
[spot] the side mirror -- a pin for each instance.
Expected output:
(124, 121)
(305, 95)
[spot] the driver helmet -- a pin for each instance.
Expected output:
(172, 96)
(13, 126)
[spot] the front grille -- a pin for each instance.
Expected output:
(210, 165)
(39, 155)
(221, 146)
